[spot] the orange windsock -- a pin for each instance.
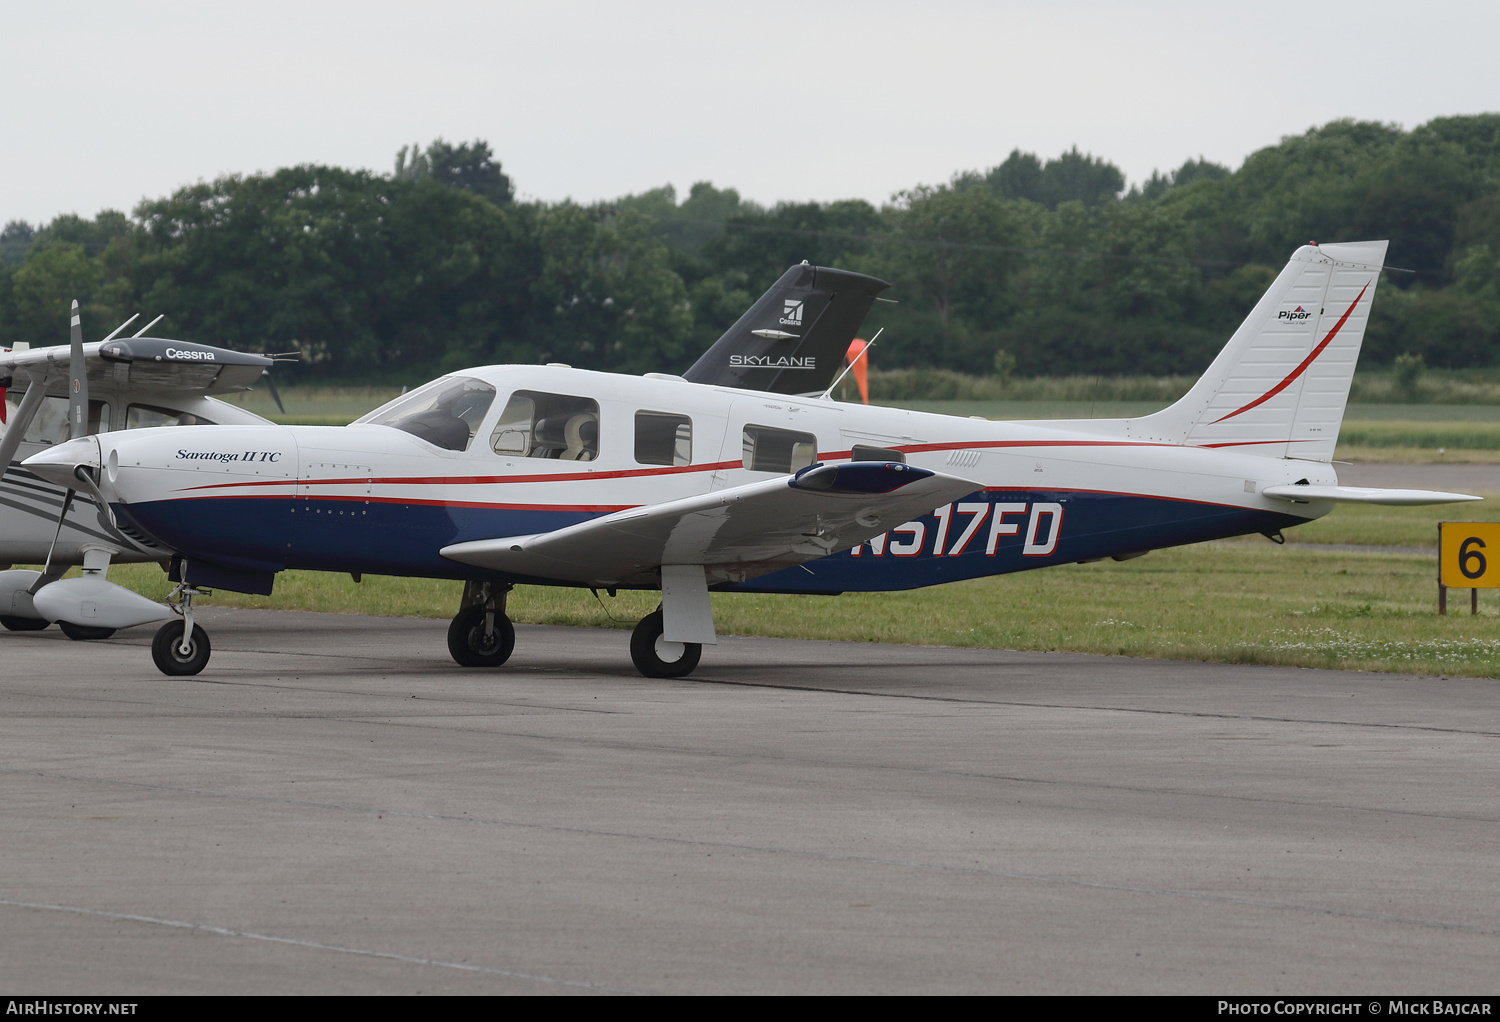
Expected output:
(861, 376)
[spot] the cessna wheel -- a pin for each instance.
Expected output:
(23, 624)
(471, 647)
(655, 657)
(167, 652)
(82, 632)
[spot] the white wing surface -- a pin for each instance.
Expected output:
(1302, 493)
(734, 534)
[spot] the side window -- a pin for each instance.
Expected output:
(662, 438)
(863, 452)
(538, 425)
(767, 449)
(445, 413)
(143, 416)
(51, 426)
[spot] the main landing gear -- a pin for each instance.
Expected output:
(655, 657)
(181, 648)
(481, 635)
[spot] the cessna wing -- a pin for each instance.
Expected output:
(734, 534)
(147, 362)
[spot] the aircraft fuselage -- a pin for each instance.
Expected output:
(372, 498)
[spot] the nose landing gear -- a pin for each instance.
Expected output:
(181, 649)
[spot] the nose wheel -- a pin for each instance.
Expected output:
(181, 648)
(655, 657)
(167, 649)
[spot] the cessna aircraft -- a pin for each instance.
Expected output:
(130, 383)
(560, 476)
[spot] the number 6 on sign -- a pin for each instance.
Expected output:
(1466, 552)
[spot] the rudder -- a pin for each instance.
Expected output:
(1280, 385)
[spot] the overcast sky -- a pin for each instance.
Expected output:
(102, 104)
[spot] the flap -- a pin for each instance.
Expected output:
(735, 534)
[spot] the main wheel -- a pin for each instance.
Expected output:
(23, 624)
(166, 651)
(655, 657)
(82, 632)
(471, 647)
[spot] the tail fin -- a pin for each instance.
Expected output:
(1280, 385)
(793, 340)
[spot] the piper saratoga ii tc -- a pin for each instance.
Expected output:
(553, 475)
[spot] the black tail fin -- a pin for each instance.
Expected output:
(793, 340)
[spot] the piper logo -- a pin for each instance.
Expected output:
(1297, 315)
(792, 314)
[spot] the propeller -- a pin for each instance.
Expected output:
(271, 385)
(78, 426)
(78, 384)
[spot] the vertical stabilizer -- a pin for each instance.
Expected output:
(1280, 385)
(793, 340)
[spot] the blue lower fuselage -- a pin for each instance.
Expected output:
(1015, 530)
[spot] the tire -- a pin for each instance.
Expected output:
(23, 624)
(470, 647)
(81, 633)
(657, 658)
(169, 660)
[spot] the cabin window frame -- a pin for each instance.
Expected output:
(757, 456)
(556, 428)
(676, 449)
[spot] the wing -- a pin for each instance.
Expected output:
(735, 534)
(142, 362)
(1302, 493)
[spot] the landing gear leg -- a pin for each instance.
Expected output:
(655, 657)
(181, 649)
(481, 635)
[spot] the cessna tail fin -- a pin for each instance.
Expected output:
(793, 340)
(1280, 385)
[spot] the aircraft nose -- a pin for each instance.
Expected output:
(59, 464)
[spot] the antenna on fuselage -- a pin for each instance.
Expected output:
(862, 353)
(148, 326)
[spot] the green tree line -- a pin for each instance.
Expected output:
(1037, 267)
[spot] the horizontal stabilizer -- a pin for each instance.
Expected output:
(735, 534)
(1365, 495)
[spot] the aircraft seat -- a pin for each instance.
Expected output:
(582, 437)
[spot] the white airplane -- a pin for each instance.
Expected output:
(130, 383)
(148, 381)
(559, 476)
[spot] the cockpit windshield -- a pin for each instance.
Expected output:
(445, 412)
